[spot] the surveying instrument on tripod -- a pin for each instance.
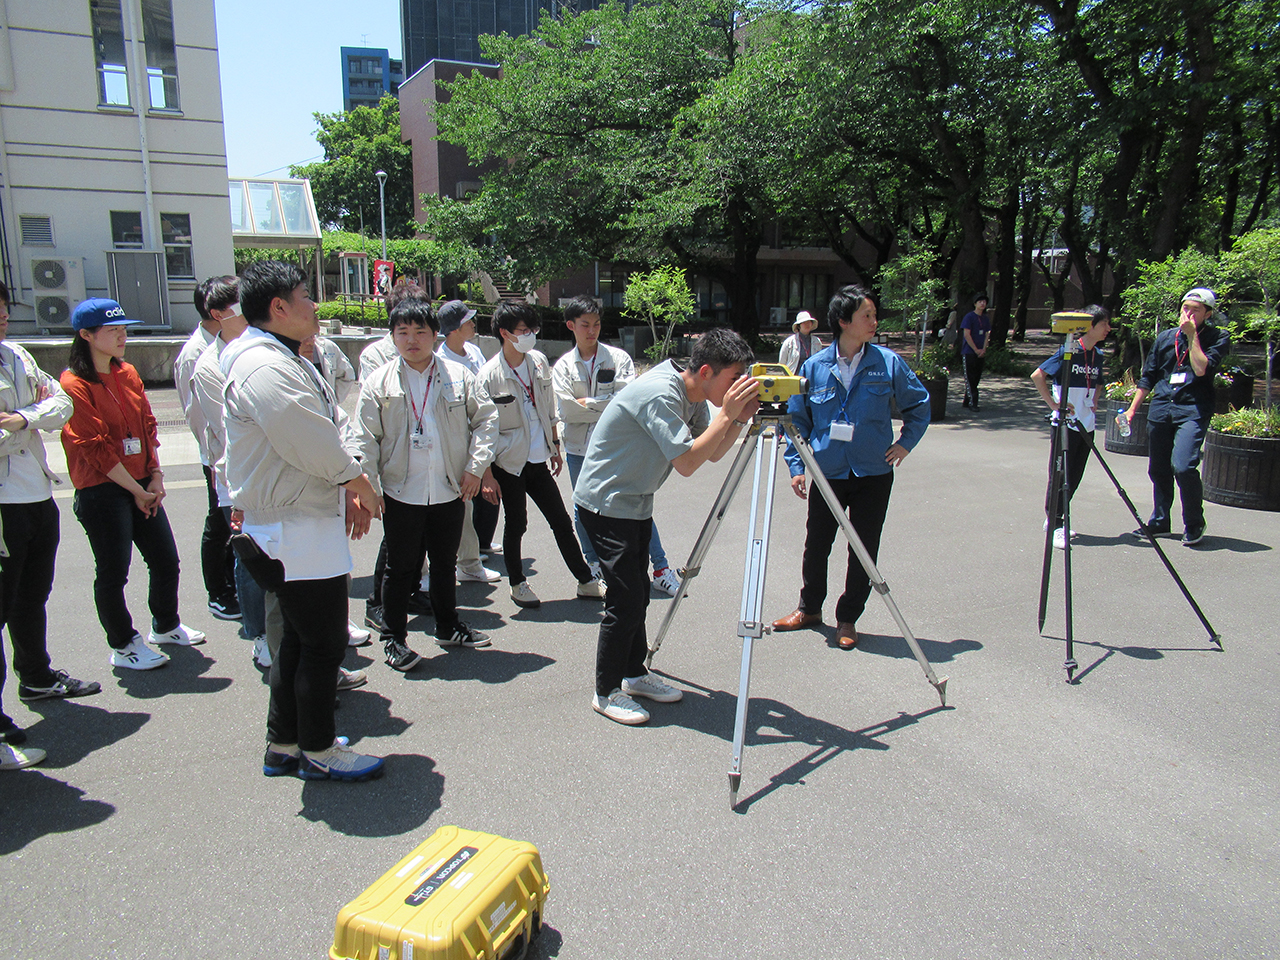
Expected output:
(1065, 424)
(772, 424)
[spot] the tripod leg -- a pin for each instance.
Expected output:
(709, 528)
(877, 581)
(750, 626)
(1214, 636)
(1070, 665)
(1056, 457)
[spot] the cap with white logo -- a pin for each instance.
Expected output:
(98, 312)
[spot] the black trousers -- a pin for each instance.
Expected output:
(484, 518)
(535, 483)
(1077, 460)
(217, 559)
(1173, 452)
(866, 500)
(623, 549)
(414, 532)
(973, 365)
(304, 671)
(31, 534)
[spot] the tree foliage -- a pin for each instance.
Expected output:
(660, 298)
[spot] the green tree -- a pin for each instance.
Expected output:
(1154, 299)
(356, 145)
(1253, 264)
(661, 298)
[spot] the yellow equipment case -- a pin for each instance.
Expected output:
(460, 895)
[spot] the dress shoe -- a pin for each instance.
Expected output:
(797, 621)
(846, 636)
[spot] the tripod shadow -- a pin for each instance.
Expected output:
(771, 722)
(893, 645)
(1134, 652)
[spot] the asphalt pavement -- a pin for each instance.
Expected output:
(1133, 813)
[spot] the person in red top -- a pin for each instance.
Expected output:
(111, 442)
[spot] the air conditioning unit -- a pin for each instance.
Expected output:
(57, 285)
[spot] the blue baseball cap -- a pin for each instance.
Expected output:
(98, 312)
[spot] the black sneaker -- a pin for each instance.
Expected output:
(399, 656)
(63, 686)
(10, 732)
(227, 608)
(1146, 529)
(464, 636)
(1193, 535)
(420, 604)
(280, 763)
(373, 617)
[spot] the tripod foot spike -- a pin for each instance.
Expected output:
(941, 687)
(1071, 666)
(1217, 638)
(735, 780)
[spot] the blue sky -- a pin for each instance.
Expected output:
(280, 65)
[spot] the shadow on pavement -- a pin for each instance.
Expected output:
(562, 611)
(401, 801)
(366, 713)
(487, 665)
(70, 730)
(36, 805)
(1134, 652)
(892, 645)
(548, 944)
(183, 674)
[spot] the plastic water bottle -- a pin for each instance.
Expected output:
(1122, 424)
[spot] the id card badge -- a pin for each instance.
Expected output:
(132, 446)
(842, 430)
(1178, 379)
(420, 441)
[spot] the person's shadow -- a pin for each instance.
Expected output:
(184, 673)
(399, 802)
(36, 805)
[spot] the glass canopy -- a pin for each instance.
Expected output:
(273, 213)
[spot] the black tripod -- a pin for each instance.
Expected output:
(1060, 492)
(772, 425)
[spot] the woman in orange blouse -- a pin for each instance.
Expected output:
(111, 444)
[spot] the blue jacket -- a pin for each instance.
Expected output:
(881, 375)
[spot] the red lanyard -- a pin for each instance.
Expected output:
(1178, 357)
(419, 414)
(528, 387)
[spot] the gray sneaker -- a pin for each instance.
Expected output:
(15, 758)
(63, 686)
(350, 679)
(651, 688)
(618, 706)
(339, 762)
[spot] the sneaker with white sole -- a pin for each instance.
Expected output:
(477, 573)
(524, 596)
(339, 762)
(591, 590)
(464, 635)
(668, 581)
(181, 635)
(138, 656)
(399, 656)
(651, 688)
(282, 759)
(1059, 539)
(350, 679)
(357, 636)
(621, 708)
(16, 758)
(227, 608)
(63, 687)
(261, 653)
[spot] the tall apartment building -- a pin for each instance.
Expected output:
(113, 161)
(368, 73)
(451, 29)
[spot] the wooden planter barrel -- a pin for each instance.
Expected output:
(1242, 471)
(1238, 395)
(1135, 444)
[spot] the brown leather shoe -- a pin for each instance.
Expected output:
(846, 636)
(797, 620)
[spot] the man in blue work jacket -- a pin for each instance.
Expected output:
(846, 418)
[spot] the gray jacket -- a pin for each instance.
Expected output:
(285, 433)
(511, 450)
(48, 414)
(467, 423)
(574, 379)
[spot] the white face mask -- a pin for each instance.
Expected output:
(524, 343)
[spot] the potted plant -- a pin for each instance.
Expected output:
(1119, 397)
(931, 367)
(1232, 385)
(1242, 459)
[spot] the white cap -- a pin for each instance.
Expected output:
(1201, 295)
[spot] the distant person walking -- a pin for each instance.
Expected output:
(975, 337)
(110, 443)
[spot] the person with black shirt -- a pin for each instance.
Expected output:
(1179, 376)
(1081, 407)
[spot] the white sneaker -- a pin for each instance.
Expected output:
(524, 596)
(651, 688)
(591, 590)
(15, 758)
(261, 653)
(477, 573)
(358, 636)
(181, 635)
(138, 656)
(618, 706)
(1059, 540)
(668, 582)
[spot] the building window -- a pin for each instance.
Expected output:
(803, 291)
(612, 284)
(108, 50)
(176, 230)
(162, 55)
(126, 229)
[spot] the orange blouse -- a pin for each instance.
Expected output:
(105, 415)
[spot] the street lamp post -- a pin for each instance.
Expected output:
(382, 203)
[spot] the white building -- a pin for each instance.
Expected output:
(113, 161)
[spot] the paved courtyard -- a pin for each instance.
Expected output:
(1134, 813)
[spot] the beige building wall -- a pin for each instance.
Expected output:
(66, 156)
